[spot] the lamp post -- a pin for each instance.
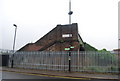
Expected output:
(14, 45)
(14, 37)
(70, 12)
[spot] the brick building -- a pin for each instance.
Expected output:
(59, 38)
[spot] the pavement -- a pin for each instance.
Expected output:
(74, 75)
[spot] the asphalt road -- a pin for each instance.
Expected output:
(14, 76)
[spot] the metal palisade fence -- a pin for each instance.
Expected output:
(104, 62)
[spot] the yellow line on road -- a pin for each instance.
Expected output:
(50, 75)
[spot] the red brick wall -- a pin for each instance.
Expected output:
(53, 40)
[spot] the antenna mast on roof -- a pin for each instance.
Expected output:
(70, 12)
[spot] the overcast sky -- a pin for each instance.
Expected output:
(97, 20)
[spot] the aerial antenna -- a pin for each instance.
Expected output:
(70, 12)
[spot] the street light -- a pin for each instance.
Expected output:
(70, 12)
(14, 45)
(14, 37)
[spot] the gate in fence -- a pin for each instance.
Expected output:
(59, 61)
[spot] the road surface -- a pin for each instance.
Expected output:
(15, 76)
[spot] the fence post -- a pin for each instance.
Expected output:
(69, 61)
(78, 59)
(12, 61)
